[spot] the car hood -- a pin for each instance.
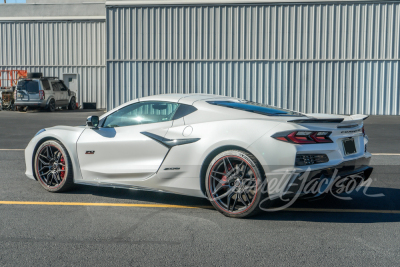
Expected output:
(67, 128)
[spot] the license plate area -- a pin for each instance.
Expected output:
(349, 146)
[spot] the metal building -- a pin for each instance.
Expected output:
(311, 55)
(326, 56)
(65, 41)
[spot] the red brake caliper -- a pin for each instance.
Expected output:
(62, 172)
(224, 178)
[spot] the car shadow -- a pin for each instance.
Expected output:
(129, 195)
(361, 208)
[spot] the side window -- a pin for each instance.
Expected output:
(46, 84)
(55, 86)
(62, 86)
(141, 113)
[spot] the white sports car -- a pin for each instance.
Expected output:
(228, 150)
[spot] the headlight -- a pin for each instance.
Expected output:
(41, 131)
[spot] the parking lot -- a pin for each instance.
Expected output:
(104, 226)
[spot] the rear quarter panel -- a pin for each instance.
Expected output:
(213, 135)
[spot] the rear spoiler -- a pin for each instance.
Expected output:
(359, 117)
(335, 120)
(318, 121)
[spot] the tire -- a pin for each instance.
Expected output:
(52, 105)
(72, 104)
(239, 194)
(53, 167)
(20, 108)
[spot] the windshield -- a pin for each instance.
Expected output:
(256, 108)
(29, 86)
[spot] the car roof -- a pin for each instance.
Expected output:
(188, 99)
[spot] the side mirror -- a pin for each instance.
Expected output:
(93, 121)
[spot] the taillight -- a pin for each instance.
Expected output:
(304, 137)
(363, 131)
(41, 94)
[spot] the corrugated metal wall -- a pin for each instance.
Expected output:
(58, 47)
(331, 58)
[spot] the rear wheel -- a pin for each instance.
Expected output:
(52, 105)
(72, 104)
(53, 167)
(234, 183)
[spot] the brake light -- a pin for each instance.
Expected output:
(363, 130)
(304, 137)
(41, 94)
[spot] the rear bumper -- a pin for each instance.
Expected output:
(40, 104)
(317, 183)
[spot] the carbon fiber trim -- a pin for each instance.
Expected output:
(170, 142)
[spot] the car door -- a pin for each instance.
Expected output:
(118, 151)
(64, 98)
(56, 91)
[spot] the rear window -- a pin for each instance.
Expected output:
(29, 86)
(256, 108)
(46, 84)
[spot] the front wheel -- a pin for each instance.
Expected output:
(235, 183)
(53, 167)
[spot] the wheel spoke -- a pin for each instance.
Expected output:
(219, 173)
(48, 182)
(218, 180)
(46, 166)
(46, 172)
(44, 163)
(244, 171)
(247, 196)
(230, 163)
(219, 186)
(226, 193)
(234, 204)
(56, 178)
(229, 200)
(241, 199)
(41, 155)
(226, 168)
(48, 153)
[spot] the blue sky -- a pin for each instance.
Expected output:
(13, 1)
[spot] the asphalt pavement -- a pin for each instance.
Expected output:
(105, 226)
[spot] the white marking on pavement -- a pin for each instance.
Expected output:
(385, 154)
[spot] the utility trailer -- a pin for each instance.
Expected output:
(8, 83)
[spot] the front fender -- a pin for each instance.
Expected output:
(67, 135)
